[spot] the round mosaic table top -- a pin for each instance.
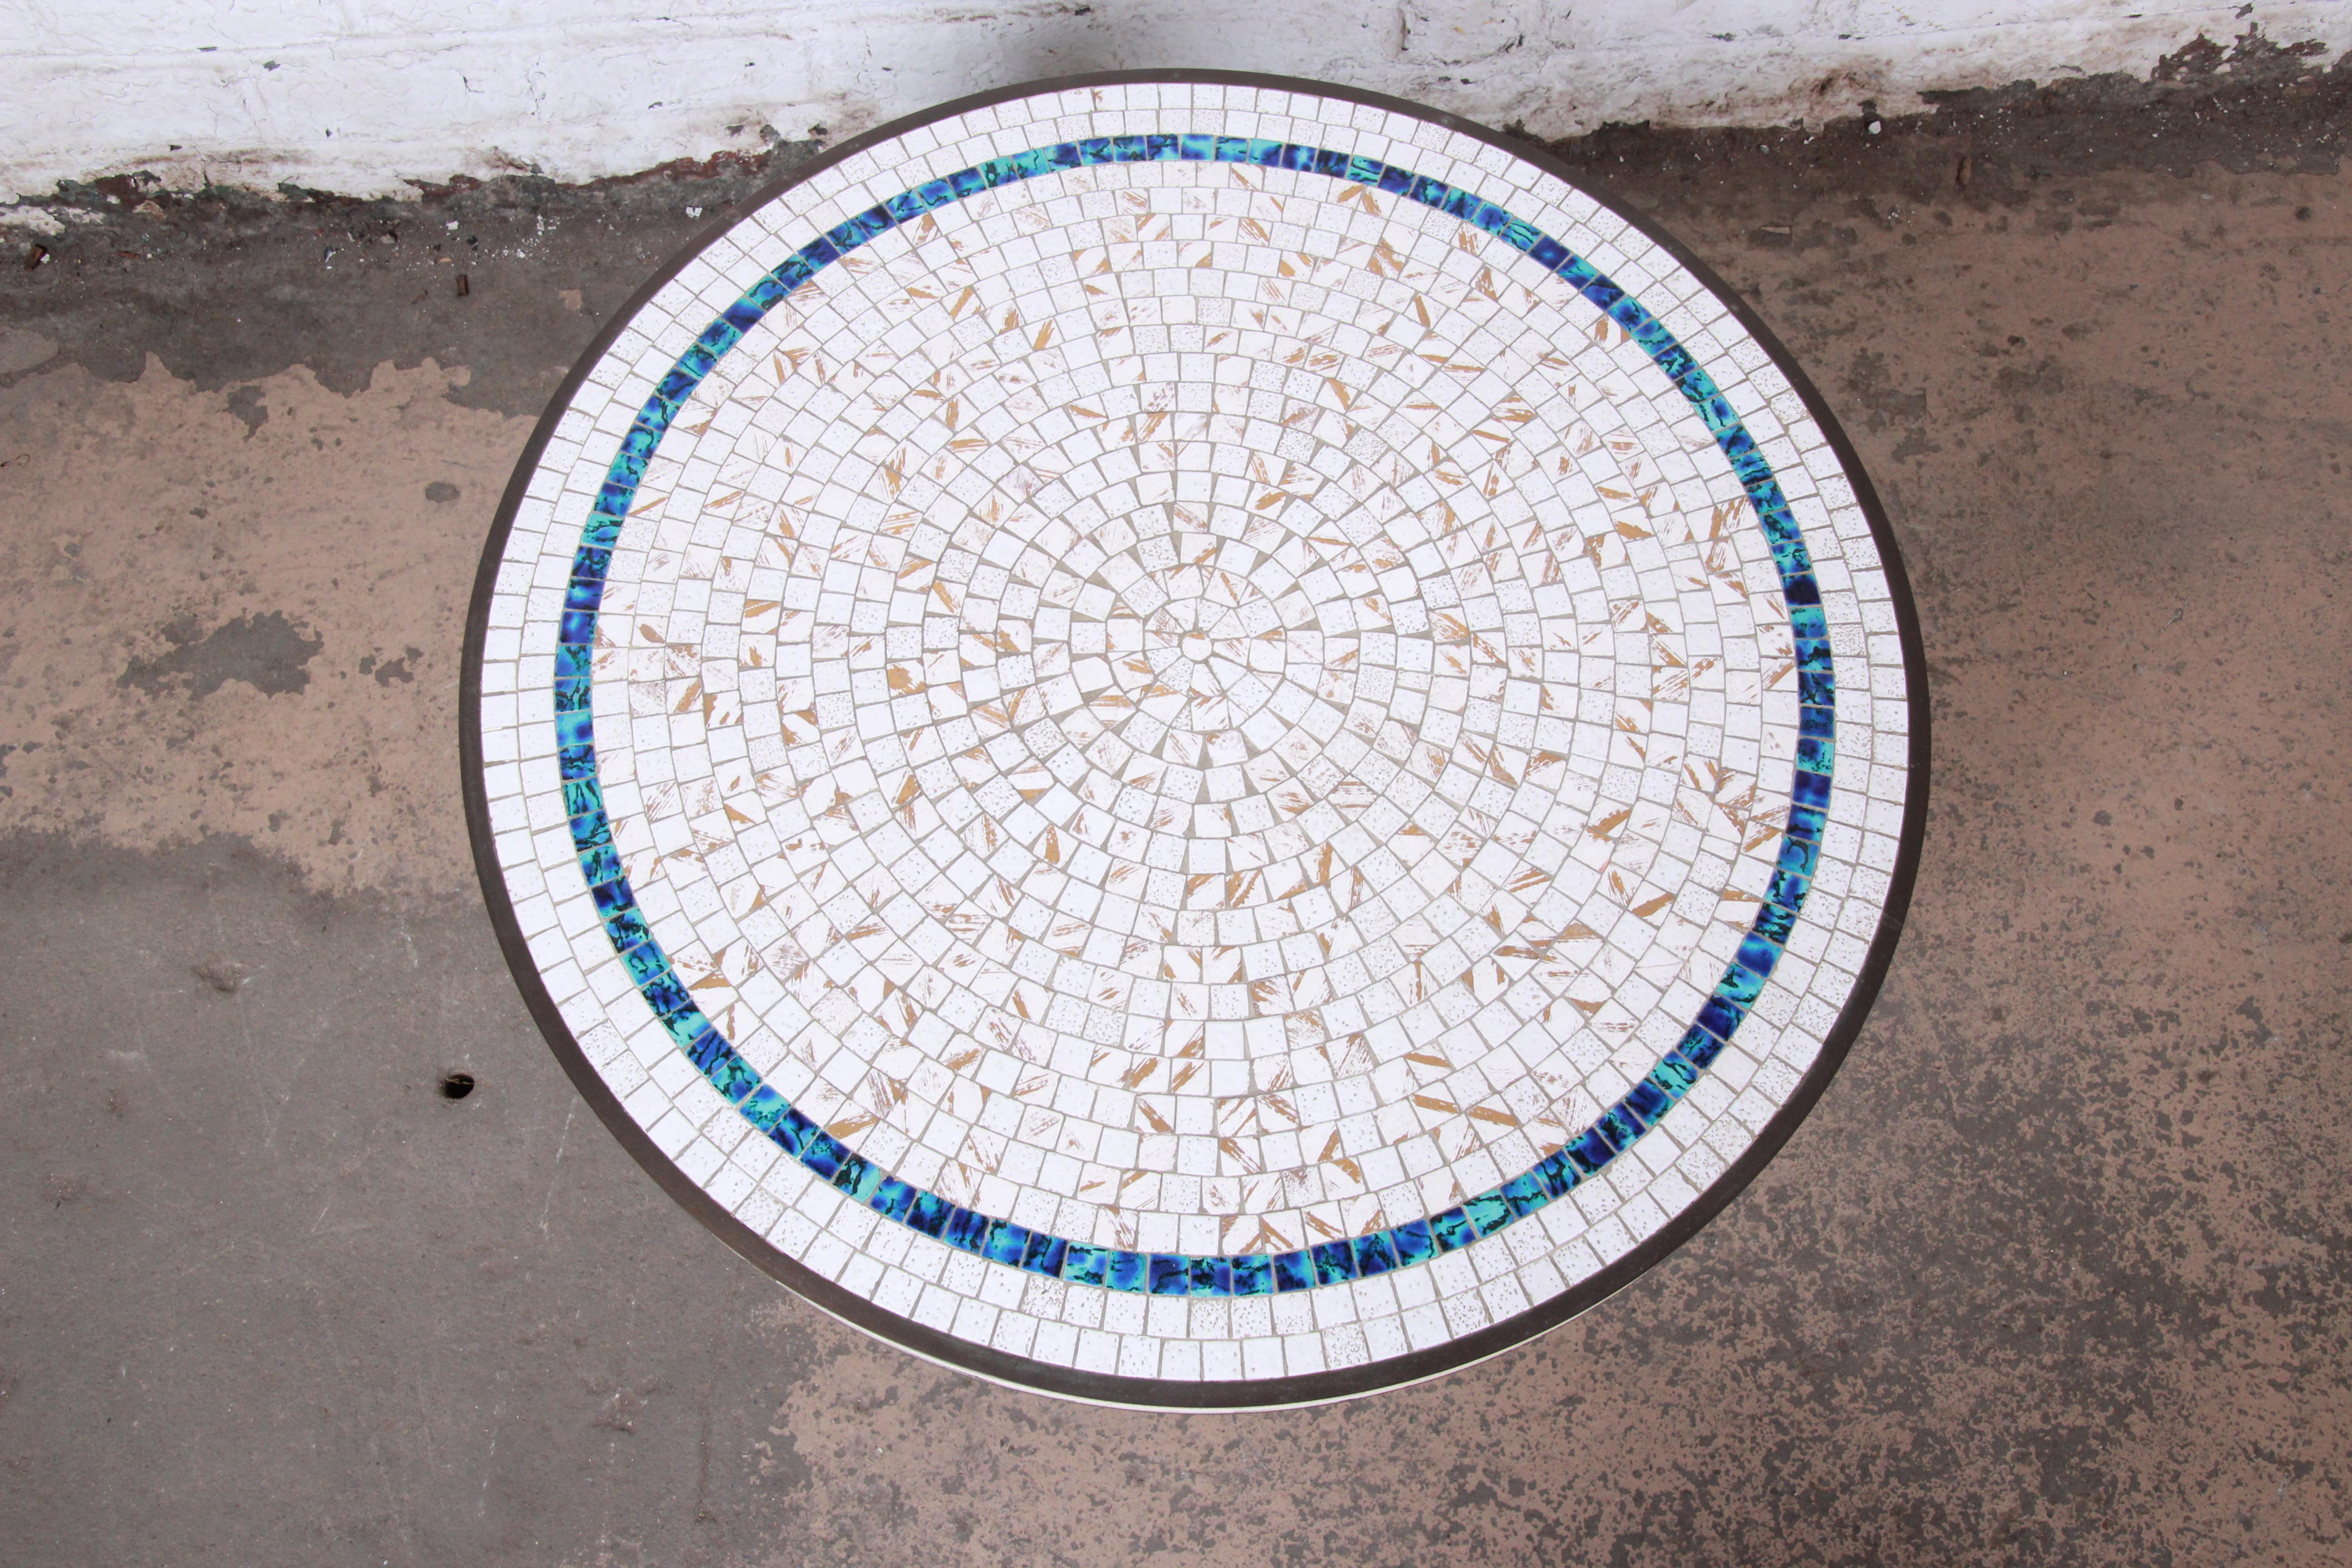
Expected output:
(1193, 741)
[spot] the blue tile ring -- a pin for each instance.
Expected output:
(1178, 1274)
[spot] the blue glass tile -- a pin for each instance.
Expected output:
(1252, 1274)
(707, 1048)
(1721, 1018)
(1525, 1195)
(1757, 955)
(612, 898)
(1589, 1152)
(1643, 1104)
(600, 864)
(1700, 1048)
(1006, 1242)
(1374, 1254)
(733, 1078)
(1674, 1074)
(1086, 1264)
(859, 1177)
(626, 928)
(967, 1229)
(1413, 1243)
(1127, 1271)
(1451, 1229)
(1171, 1274)
(1334, 1262)
(1292, 1271)
(1045, 1254)
(666, 995)
(763, 1108)
(1798, 856)
(644, 961)
(893, 1199)
(823, 1154)
(1811, 789)
(1211, 1276)
(1739, 986)
(1556, 1172)
(794, 1132)
(930, 1214)
(1488, 1212)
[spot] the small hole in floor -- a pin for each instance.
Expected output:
(457, 1085)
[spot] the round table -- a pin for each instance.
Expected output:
(1194, 741)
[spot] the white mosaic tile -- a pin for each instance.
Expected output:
(1153, 774)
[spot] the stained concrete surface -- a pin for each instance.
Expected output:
(2056, 1273)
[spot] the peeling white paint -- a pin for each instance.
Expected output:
(366, 99)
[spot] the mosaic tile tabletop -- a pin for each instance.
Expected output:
(1193, 741)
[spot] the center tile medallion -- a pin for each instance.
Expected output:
(1193, 741)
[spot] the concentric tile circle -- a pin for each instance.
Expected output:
(1193, 741)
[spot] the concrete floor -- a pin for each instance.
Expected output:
(2057, 1273)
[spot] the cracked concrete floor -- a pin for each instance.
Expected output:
(2057, 1272)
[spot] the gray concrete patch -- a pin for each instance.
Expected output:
(268, 652)
(21, 350)
(277, 1301)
